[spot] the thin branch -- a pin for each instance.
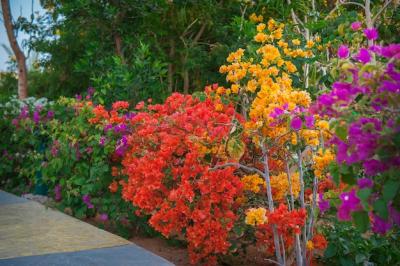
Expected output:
(341, 4)
(380, 11)
(188, 27)
(238, 165)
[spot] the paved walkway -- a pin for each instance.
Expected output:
(31, 234)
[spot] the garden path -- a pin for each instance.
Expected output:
(32, 234)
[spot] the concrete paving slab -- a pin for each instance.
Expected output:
(7, 198)
(32, 229)
(128, 255)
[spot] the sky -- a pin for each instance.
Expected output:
(18, 8)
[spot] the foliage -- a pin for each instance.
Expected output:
(23, 127)
(349, 247)
(126, 82)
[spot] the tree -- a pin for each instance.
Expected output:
(20, 56)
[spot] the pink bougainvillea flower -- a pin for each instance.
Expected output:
(356, 25)
(363, 56)
(371, 33)
(343, 51)
(296, 123)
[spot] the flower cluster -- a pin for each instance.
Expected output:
(256, 216)
(252, 183)
(169, 176)
(287, 223)
(363, 106)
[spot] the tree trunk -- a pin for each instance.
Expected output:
(21, 59)
(118, 47)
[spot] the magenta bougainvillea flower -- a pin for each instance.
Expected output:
(309, 121)
(103, 217)
(363, 56)
(57, 193)
(379, 225)
(50, 114)
(343, 51)
(365, 183)
(323, 204)
(356, 25)
(86, 200)
(296, 123)
(102, 141)
(371, 33)
(350, 203)
(36, 117)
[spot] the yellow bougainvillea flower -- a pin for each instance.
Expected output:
(254, 18)
(256, 216)
(280, 185)
(296, 42)
(252, 183)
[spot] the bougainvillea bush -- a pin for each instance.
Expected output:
(82, 167)
(24, 139)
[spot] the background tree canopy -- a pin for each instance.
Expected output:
(135, 49)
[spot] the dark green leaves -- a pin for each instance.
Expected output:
(361, 220)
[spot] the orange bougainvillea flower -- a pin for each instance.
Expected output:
(319, 242)
(113, 187)
(114, 171)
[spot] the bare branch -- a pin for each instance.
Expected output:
(380, 11)
(238, 165)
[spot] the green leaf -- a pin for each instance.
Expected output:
(330, 251)
(236, 148)
(334, 171)
(390, 189)
(380, 206)
(341, 132)
(361, 220)
(360, 258)
(363, 195)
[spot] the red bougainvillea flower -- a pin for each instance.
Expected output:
(120, 105)
(288, 224)
(113, 187)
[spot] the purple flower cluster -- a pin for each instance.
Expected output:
(122, 146)
(365, 104)
(87, 200)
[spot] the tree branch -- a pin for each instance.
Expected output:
(238, 165)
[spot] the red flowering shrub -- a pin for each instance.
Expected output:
(167, 164)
